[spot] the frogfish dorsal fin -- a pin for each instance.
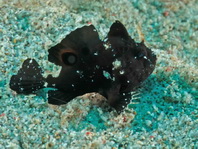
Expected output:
(117, 29)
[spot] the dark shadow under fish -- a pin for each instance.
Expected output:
(113, 67)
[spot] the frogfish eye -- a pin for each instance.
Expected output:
(69, 58)
(140, 55)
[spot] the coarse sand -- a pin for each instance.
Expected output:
(163, 112)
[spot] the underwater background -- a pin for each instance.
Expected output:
(163, 113)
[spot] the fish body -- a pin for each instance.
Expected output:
(113, 67)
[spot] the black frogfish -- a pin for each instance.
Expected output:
(113, 67)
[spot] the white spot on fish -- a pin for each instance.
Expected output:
(96, 53)
(122, 72)
(145, 57)
(46, 84)
(107, 75)
(116, 64)
(107, 46)
(97, 67)
(105, 39)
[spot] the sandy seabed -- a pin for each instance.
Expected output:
(163, 112)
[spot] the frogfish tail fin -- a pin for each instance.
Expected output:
(28, 79)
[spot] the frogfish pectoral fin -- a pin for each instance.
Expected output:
(117, 100)
(57, 97)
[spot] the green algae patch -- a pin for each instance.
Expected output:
(92, 120)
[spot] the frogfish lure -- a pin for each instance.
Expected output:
(113, 67)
